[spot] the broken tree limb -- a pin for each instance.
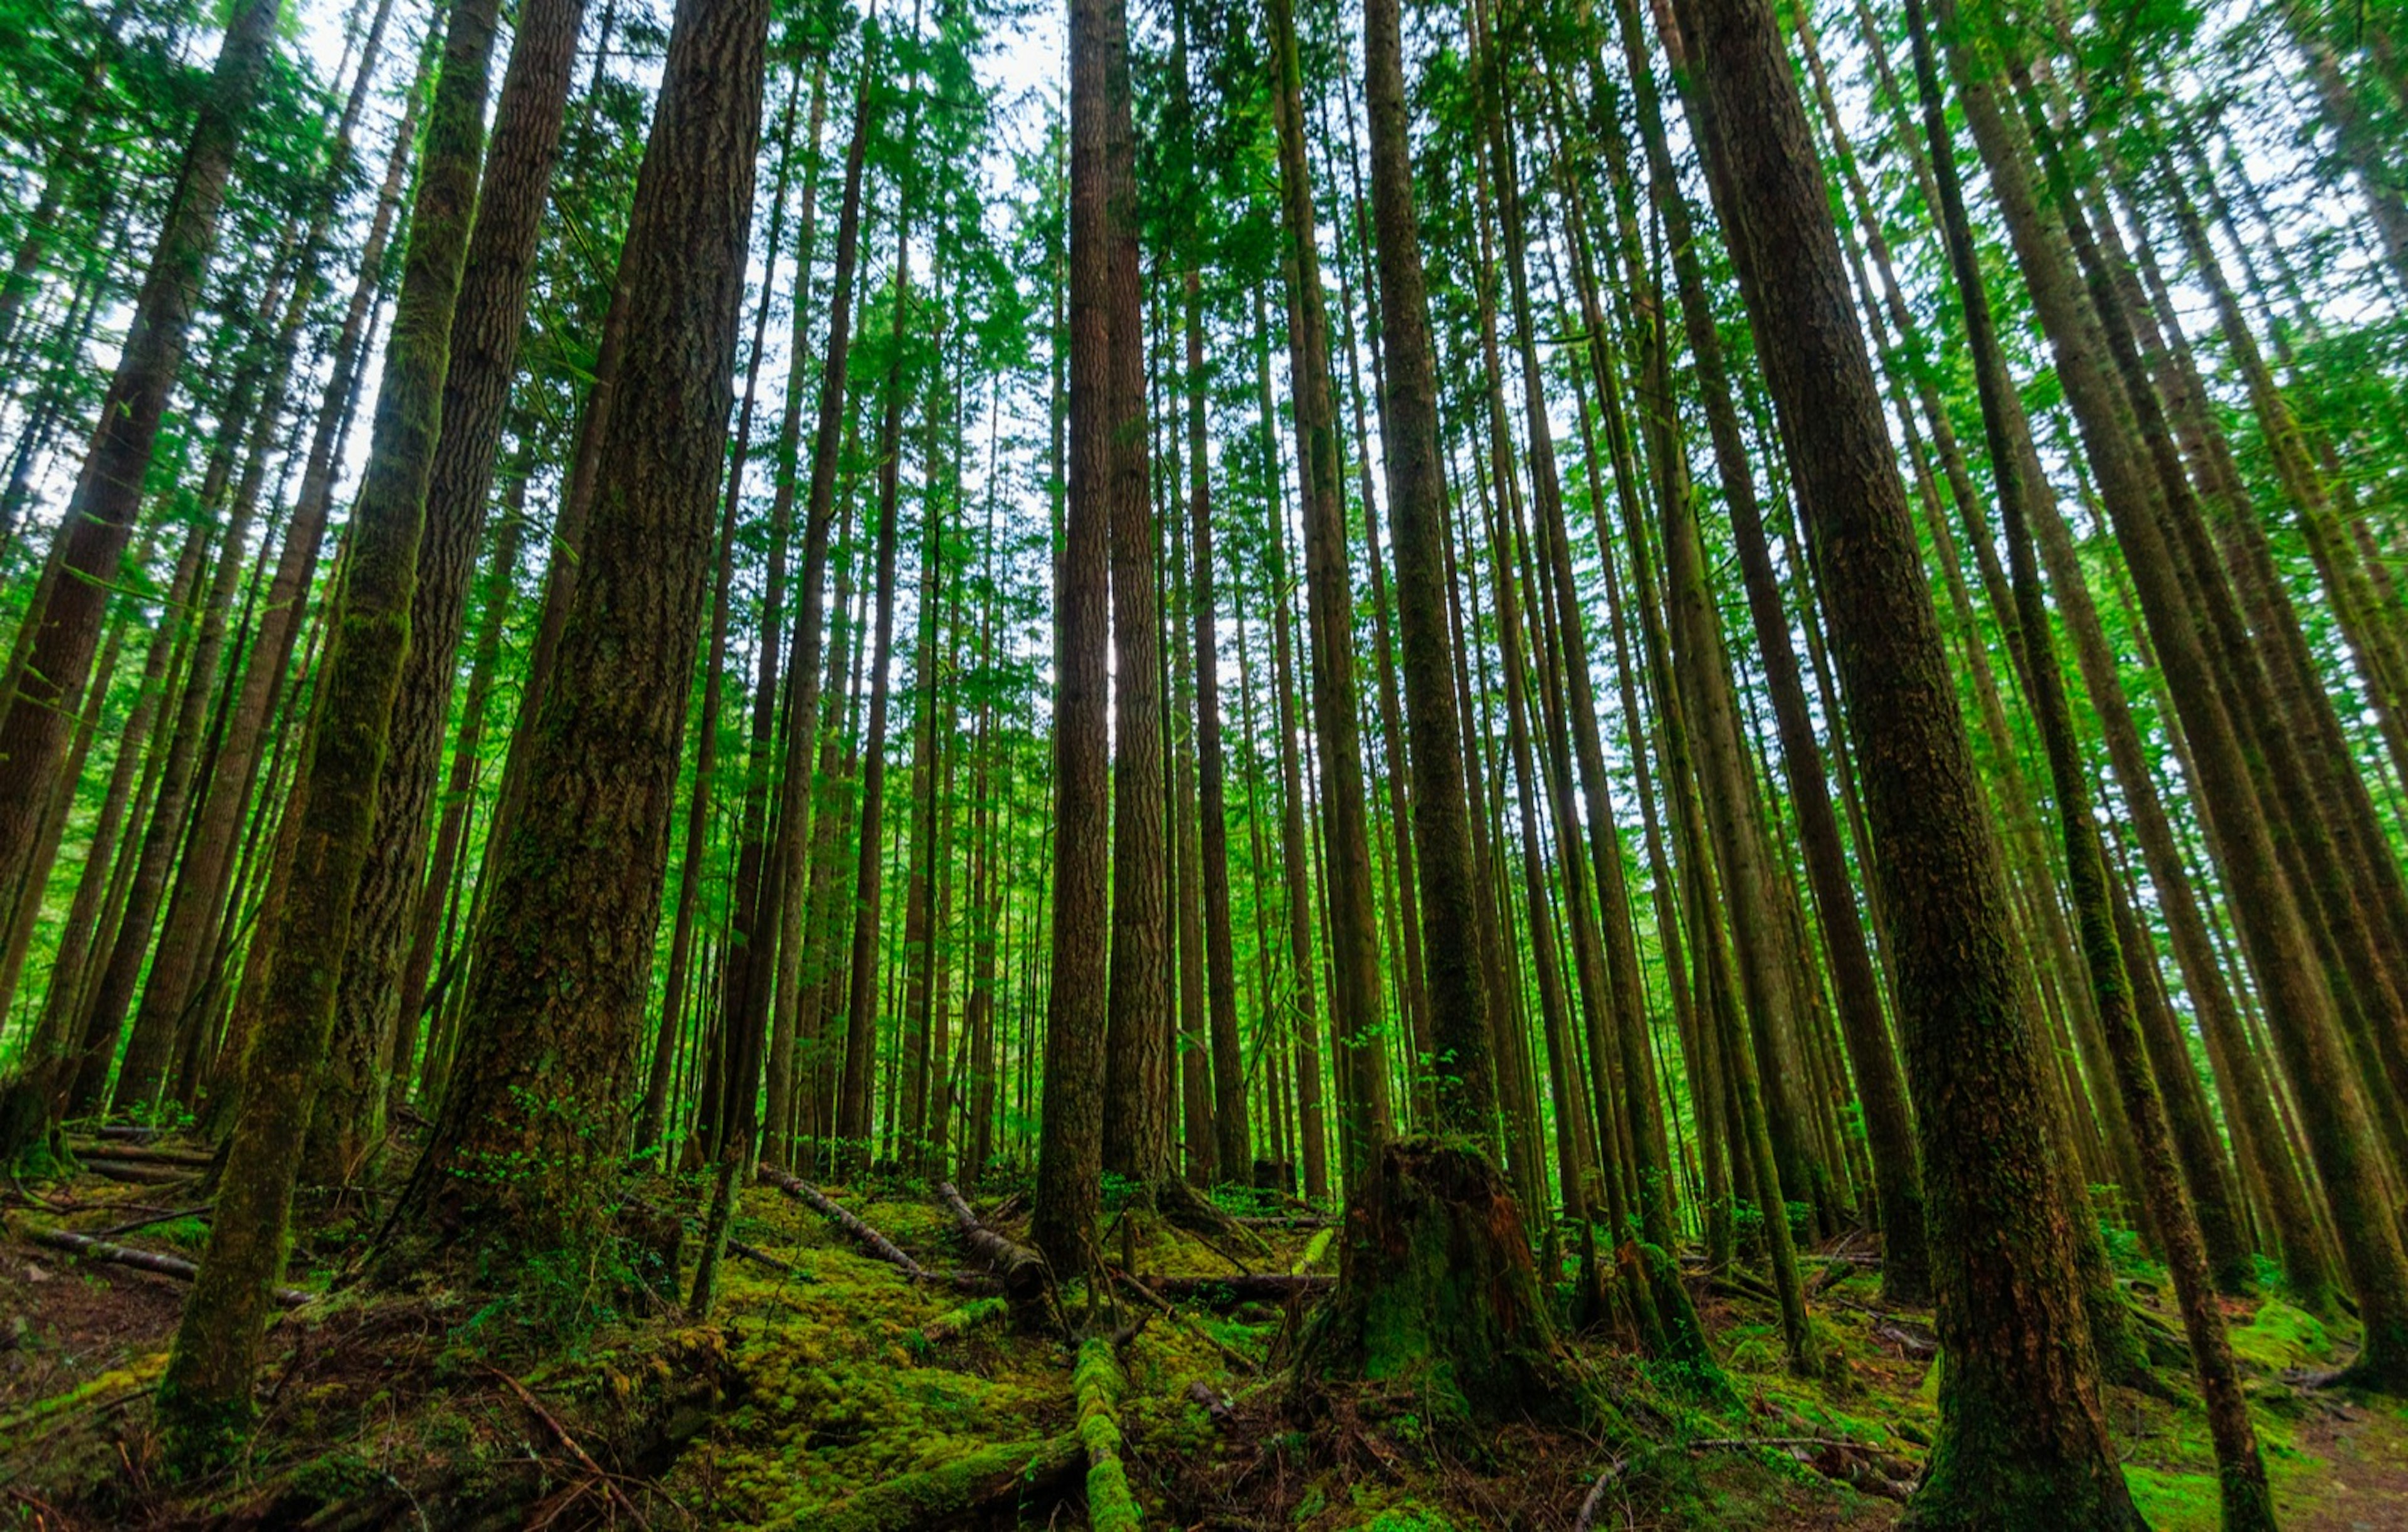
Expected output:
(618, 1495)
(141, 1260)
(985, 1483)
(1023, 1271)
(863, 1234)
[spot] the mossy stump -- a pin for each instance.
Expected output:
(1437, 1292)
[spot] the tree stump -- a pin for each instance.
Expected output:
(1437, 1292)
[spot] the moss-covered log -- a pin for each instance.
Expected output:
(1436, 1291)
(1098, 1382)
(141, 1260)
(995, 1480)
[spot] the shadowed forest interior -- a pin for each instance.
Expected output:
(895, 764)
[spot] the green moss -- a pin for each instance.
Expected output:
(2279, 1337)
(2173, 1501)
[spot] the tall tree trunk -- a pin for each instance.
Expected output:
(1354, 1008)
(564, 954)
(2022, 1435)
(205, 1397)
(2298, 1009)
(349, 1127)
(2240, 1473)
(100, 515)
(1234, 1147)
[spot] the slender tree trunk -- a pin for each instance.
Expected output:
(2022, 1435)
(99, 518)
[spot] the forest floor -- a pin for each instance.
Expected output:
(829, 1389)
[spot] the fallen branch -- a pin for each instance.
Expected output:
(863, 1234)
(1272, 1286)
(751, 1253)
(618, 1495)
(1596, 1500)
(151, 1216)
(142, 1260)
(983, 1485)
(1023, 1271)
(1236, 1358)
(1282, 1221)
(1097, 1383)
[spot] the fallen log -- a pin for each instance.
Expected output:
(1099, 1383)
(138, 1173)
(863, 1234)
(139, 1153)
(1023, 1271)
(141, 1260)
(985, 1483)
(1267, 1285)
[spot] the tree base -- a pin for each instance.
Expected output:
(1437, 1294)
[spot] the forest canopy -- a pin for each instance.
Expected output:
(1251, 763)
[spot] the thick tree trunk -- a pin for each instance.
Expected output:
(564, 956)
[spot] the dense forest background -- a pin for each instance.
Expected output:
(1531, 730)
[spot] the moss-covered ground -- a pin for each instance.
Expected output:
(828, 1390)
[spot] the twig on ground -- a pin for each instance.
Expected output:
(559, 1431)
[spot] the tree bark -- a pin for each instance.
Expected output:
(2022, 1435)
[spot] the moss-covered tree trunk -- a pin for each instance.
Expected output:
(205, 1397)
(523, 1158)
(348, 1130)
